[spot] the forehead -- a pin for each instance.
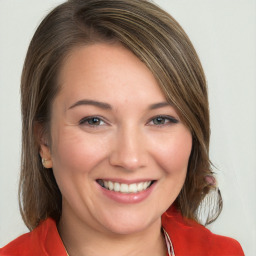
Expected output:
(102, 70)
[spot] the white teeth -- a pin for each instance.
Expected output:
(146, 184)
(105, 184)
(140, 186)
(110, 185)
(125, 188)
(133, 188)
(117, 187)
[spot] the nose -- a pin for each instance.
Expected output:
(129, 150)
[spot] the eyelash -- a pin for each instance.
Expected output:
(168, 120)
(86, 120)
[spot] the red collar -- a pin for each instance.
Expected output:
(187, 236)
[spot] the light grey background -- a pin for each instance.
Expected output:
(224, 34)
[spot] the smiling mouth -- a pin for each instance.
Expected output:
(123, 187)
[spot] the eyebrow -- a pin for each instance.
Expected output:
(159, 105)
(91, 102)
(104, 105)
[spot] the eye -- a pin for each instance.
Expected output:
(163, 120)
(92, 121)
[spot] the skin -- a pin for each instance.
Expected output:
(126, 142)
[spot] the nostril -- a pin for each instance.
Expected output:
(128, 150)
(127, 161)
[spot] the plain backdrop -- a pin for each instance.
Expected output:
(224, 35)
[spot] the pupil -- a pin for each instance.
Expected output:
(159, 120)
(94, 121)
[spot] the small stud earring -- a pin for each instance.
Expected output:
(43, 161)
(46, 163)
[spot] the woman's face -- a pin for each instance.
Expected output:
(119, 151)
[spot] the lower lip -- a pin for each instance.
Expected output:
(130, 198)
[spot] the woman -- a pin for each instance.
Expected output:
(115, 156)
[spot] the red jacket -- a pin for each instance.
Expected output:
(188, 238)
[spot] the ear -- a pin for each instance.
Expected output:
(43, 146)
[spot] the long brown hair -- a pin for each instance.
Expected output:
(157, 40)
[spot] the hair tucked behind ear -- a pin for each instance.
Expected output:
(157, 40)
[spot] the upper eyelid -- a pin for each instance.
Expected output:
(176, 120)
(172, 118)
(84, 119)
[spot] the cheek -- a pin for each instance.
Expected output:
(75, 152)
(174, 153)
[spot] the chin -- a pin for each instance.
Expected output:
(128, 223)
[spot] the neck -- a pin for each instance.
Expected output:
(82, 240)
